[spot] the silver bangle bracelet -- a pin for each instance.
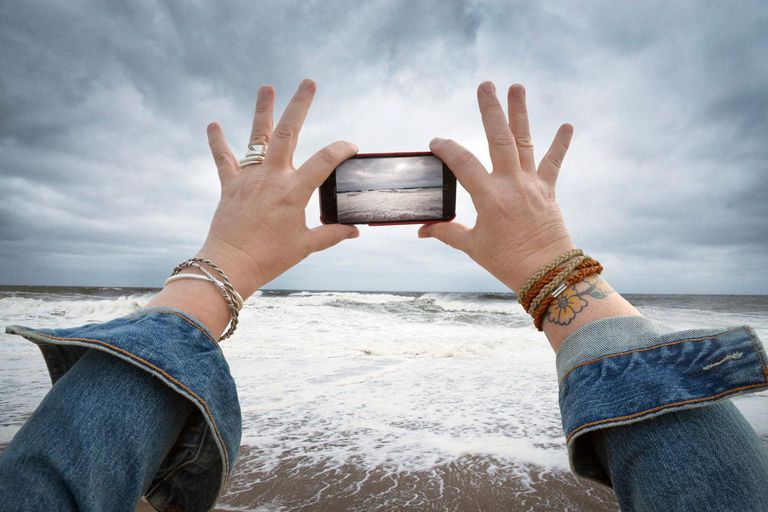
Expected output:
(233, 299)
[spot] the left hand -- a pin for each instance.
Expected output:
(259, 229)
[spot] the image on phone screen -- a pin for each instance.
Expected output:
(390, 189)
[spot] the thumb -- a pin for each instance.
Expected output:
(452, 233)
(323, 237)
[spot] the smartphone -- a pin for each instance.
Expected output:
(389, 188)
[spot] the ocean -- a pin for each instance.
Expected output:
(386, 205)
(380, 400)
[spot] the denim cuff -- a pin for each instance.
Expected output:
(623, 370)
(180, 351)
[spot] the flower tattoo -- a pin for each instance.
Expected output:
(564, 309)
(573, 299)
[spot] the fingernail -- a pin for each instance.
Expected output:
(436, 140)
(518, 91)
(354, 146)
(308, 84)
(488, 87)
(424, 234)
(353, 234)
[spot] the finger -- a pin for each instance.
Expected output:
(286, 132)
(314, 171)
(261, 131)
(501, 142)
(226, 163)
(452, 233)
(323, 237)
(518, 123)
(549, 167)
(464, 165)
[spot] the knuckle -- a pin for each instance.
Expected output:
(524, 141)
(505, 139)
(262, 105)
(283, 132)
(259, 137)
(555, 159)
(489, 106)
(221, 159)
(463, 159)
(327, 156)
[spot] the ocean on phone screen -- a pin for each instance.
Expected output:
(380, 400)
(390, 204)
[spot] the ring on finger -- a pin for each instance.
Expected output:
(255, 155)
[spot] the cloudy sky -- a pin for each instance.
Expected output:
(106, 177)
(379, 173)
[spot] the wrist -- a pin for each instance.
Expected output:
(529, 264)
(241, 268)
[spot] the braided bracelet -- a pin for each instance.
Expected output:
(545, 270)
(577, 277)
(554, 283)
(551, 275)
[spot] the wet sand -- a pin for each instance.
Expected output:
(471, 483)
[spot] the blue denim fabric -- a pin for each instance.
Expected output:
(646, 411)
(175, 442)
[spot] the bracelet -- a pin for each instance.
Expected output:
(551, 280)
(545, 270)
(238, 299)
(226, 282)
(577, 277)
(554, 283)
(552, 274)
(231, 296)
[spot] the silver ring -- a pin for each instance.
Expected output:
(255, 155)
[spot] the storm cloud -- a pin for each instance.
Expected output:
(384, 173)
(106, 177)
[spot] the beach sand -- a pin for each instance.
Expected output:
(470, 483)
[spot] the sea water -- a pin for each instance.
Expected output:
(380, 401)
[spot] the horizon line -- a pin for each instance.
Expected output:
(315, 290)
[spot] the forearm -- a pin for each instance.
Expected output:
(66, 458)
(619, 379)
(146, 387)
(698, 459)
(580, 304)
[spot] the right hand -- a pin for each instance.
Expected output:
(259, 229)
(519, 225)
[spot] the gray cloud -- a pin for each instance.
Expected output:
(394, 172)
(106, 176)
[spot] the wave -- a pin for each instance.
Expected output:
(76, 307)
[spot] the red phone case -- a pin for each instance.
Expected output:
(412, 153)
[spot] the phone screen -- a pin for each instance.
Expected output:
(391, 189)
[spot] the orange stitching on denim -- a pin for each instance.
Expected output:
(137, 358)
(763, 364)
(661, 407)
(645, 349)
(190, 322)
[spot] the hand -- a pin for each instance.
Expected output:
(259, 229)
(519, 226)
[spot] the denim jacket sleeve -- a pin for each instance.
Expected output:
(645, 409)
(160, 345)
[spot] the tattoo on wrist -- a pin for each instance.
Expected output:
(574, 299)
